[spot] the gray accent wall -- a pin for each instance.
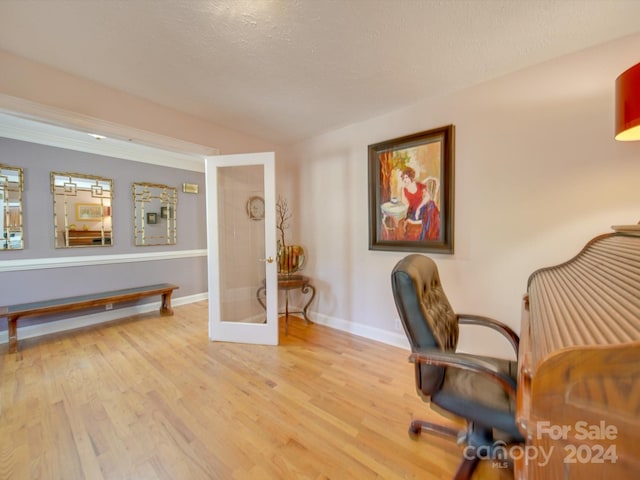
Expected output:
(18, 285)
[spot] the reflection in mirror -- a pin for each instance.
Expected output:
(11, 186)
(81, 210)
(154, 220)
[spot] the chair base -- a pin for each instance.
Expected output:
(419, 426)
(472, 436)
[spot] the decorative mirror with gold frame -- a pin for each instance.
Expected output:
(11, 187)
(82, 215)
(154, 219)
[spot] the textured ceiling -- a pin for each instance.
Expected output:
(284, 70)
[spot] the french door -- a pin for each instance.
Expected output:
(241, 248)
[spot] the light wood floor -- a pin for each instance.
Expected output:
(150, 397)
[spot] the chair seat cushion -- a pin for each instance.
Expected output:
(478, 398)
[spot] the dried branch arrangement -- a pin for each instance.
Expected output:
(282, 217)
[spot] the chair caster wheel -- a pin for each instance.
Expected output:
(414, 431)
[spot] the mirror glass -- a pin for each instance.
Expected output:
(11, 186)
(154, 216)
(81, 210)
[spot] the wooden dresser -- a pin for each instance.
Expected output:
(579, 366)
(88, 237)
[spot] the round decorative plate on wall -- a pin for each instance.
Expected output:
(255, 208)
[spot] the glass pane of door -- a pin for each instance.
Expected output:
(241, 243)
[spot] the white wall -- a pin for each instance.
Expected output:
(537, 175)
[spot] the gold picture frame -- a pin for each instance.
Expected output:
(190, 188)
(88, 211)
(411, 193)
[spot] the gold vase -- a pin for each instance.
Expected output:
(290, 259)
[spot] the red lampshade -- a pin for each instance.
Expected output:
(628, 105)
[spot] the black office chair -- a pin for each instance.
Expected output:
(479, 389)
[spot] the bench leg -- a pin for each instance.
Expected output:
(165, 308)
(13, 334)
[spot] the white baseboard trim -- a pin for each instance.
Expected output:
(47, 328)
(372, 333)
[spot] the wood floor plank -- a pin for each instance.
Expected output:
(150, 397)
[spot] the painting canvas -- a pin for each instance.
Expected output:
(88, 211)
(411, 192)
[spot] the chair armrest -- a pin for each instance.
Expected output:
(465, 362)
(505, 330)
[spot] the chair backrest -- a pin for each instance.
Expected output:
(425, 312)
(433, 188)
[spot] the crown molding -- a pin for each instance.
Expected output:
(28, 121)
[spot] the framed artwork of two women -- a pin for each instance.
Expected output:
(411, 192)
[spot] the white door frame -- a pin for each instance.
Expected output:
(219, 330)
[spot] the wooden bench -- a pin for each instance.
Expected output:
(56, 305)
